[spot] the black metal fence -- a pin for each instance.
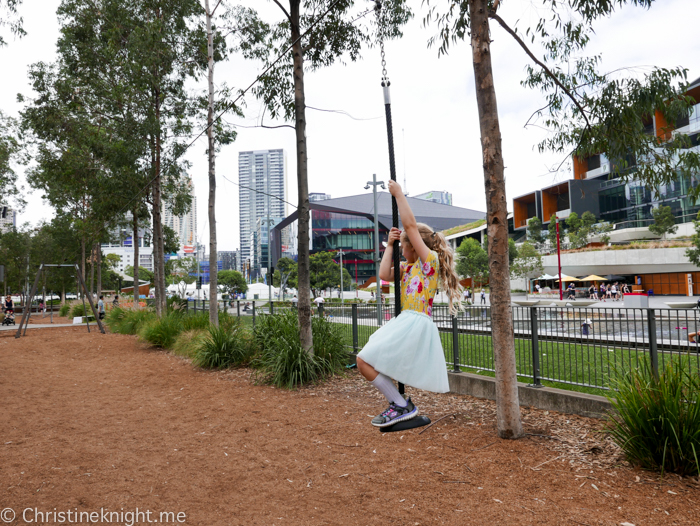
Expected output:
(564, 345)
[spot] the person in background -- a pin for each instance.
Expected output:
(483, 297)
(115, 302)
(101, 308)
(295, 301)
(9, 306)
(586, 326)
(602, 291)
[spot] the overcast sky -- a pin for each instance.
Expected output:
(436, 126)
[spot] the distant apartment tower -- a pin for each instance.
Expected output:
(262, 175)
(8, 219)
(185, 226)
(122, 244)
(318, 196)
(444, 198)
(229, 259)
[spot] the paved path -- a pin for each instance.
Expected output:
(36, 326)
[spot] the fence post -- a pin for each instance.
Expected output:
(272, 308)
(320, 310)
(355, 337)
(253, 314)
(238, 308)
(455, 345)
(535, 348)
(653, 349)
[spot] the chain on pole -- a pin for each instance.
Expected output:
(392, 166)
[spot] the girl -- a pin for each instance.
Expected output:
(408, 348)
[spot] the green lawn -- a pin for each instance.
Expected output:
(563, 364)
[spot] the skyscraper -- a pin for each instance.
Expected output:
(185, 226)
(262, 175)
(8, 219)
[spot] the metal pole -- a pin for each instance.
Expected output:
(455, 345)
(341, 276)
(561, 291)
(535, 348)
(394, 205)
(269, 255)
(378, 295)
(378, 282)
(653, 347)
(355, 335)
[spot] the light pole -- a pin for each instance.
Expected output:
(561, 291)
(373, 183)
(340, 252)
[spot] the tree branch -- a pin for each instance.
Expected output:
(283, 10)
(540, 64)
(214, 10)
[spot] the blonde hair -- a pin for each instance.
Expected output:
(449, 281)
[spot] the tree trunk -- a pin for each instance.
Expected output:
(213, 254)
(98, 264)
(304, 285)
(158, 253)
(92, 271)
(135, 244)
(508, 408)
(82, 261)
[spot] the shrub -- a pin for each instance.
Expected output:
(187, 343)
(224, 346)
(195, 321)
(282, 361)
(125, 321)
(656, 421)
(64, 310)
(78, 310)
(163, 331)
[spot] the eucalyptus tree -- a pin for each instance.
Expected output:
(318, 33)
(10, 153)
(69, 168)
(126, 64)
(15, 247)
(238, 29)
(587, 111)
(10, 18)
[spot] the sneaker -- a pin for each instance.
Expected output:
(395, 414)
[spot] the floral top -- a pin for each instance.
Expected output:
(419, 283)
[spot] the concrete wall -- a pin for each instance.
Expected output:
(602, 262)
(546, 398)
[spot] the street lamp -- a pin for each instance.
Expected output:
(374, 183)
(340, 252)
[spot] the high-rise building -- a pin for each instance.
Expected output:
(8, 219)
(229, 259)
(262, 176)
(185, 226)
(122, 244)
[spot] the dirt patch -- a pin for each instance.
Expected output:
(93, 421)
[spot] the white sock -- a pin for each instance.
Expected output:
(388, 389)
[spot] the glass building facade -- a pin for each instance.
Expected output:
(354, 234)
(631, 203)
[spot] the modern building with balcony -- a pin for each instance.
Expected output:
(599, 187)
(613, 195)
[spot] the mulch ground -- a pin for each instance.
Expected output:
(92, 421)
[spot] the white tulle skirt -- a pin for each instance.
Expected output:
(408, 349)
